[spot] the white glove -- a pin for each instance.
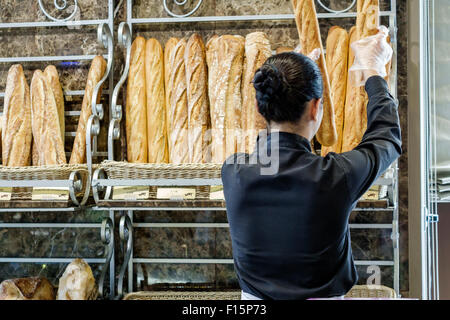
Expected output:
(371, 54)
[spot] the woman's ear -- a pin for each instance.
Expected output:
(314, 109)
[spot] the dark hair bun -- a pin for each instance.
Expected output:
(268, 82)
(284, 84)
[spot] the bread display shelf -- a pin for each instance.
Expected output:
(76, 179)
(206, 180)
(20, 182)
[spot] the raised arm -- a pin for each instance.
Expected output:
(381, 144)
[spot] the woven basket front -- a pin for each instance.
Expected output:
(54, 172)
(136, 171)
(372, 291)
(125, 170)
(187, 295)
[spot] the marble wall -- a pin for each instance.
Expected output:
(186, 242)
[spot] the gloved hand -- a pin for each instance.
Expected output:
(371, 56)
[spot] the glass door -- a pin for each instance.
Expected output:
(436, 97)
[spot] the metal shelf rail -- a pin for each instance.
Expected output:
(102, 185)
(74, 183)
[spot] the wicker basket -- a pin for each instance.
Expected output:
(184, 295)
(136, 171)
(54, 172)
(371, 291)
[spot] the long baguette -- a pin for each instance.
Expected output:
(156, 105)
(96, 72)
(178, 108)
(337, 60)
(53, 78)
(45, 122)
(367, 23)
(16, 120)
(257, 51)
(309, 32)
(168, 48)
(225, 57)
(136, 108)
(198, 102)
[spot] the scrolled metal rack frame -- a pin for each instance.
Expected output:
(60, 7)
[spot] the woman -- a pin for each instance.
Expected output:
(289, 229)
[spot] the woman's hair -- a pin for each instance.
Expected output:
(284, 84)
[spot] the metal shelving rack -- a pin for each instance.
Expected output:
(105, 28)
(102, 184)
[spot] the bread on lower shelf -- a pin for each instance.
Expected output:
(27, 289)
(16, 120)
(77, 282)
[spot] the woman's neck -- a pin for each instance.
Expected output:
(290, 127)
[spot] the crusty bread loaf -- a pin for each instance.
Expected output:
(45, 122)
(199, 121)
(136, 108)
(367, 23)
(27, 289)
(350, 100)
(337, 60)
(16, 121)
(225, 55)
(168, 48)
(257, 51)
(53, 78)
(309, 32)
(156, 104)
(77, 282)
(284, 49)
(96, 73)
(177, 107)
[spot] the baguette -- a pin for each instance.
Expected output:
(156, 104)
(309, 32)
(225, 57)
(177, 107)
(168, 48)
(350, 99)
(257, 51)
(284, 49)
(45, 122)
(96, 72)
(198, 102)
(52, 75)
(367, 23)
(136, 108)
(337, 60)
(16, 120)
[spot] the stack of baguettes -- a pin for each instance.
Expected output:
(33, 123)
(355, 118)
(310, 39)
(198, 98)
